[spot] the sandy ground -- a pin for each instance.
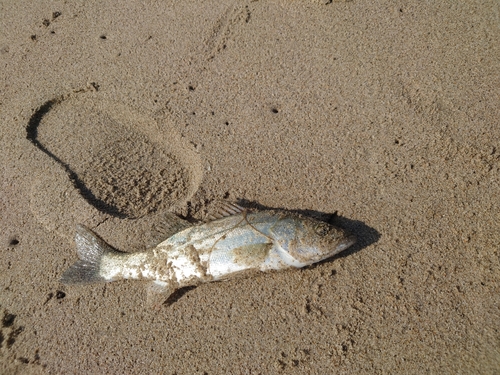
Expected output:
(388, 113)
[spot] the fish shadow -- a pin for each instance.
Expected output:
(177, 295)
(364, 234)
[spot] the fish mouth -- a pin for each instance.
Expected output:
(346, 243)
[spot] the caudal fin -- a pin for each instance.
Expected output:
(90, 250)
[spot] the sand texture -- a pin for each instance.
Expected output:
(114, 114)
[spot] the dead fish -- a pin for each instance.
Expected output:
(237, 241)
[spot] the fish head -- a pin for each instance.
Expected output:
(309, 241)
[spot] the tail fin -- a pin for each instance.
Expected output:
(90, 250)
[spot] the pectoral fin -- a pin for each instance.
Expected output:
(252, 255)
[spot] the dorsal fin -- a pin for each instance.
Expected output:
(222, 209)
(166, 226)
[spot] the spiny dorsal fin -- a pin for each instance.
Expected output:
(167, 225)
(222, 209)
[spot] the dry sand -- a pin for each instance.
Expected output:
(113, 113)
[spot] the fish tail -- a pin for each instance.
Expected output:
(91, 250)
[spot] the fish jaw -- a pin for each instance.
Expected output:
(344, 244)
(311, 252)
(280, 259)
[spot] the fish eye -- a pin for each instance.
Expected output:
(321, 230)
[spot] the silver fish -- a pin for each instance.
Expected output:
(236, 242)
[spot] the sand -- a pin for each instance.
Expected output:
(112, 114)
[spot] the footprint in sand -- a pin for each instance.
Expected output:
(122, 163)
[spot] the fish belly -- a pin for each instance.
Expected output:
(216, 251)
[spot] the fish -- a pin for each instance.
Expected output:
(234, 242)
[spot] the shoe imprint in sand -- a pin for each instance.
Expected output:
(121, 162)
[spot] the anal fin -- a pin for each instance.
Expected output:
(157, 293)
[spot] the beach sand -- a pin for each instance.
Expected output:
(113, 113)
